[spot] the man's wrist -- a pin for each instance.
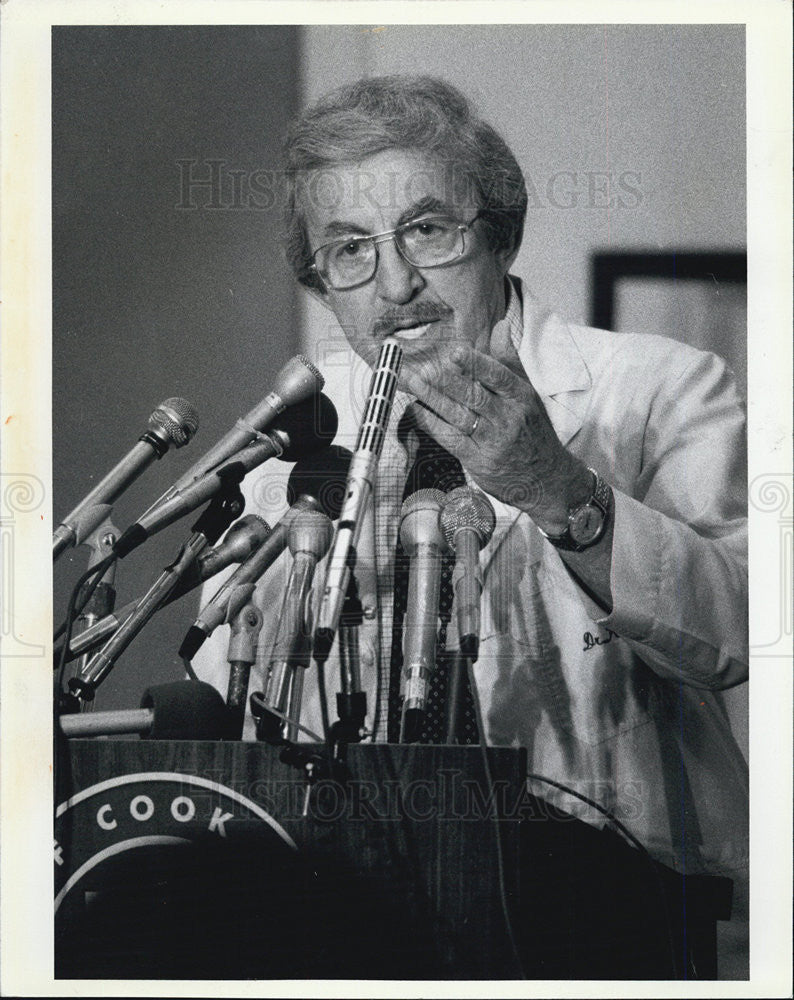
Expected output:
(569, 489)
(588, 521)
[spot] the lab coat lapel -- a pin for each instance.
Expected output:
(555, 367)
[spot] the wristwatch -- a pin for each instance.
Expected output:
(587, 521)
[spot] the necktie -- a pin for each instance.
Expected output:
(434, 468)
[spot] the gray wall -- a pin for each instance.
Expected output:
(153, 299)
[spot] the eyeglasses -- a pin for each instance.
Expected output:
(429, 242)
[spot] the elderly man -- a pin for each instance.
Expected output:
(614, 607)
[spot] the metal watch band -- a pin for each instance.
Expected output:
(600, 497)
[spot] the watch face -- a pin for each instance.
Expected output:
(586, 524)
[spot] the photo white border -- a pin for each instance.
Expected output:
(26, 937)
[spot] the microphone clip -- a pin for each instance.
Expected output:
(349, 727)
(225, 507)
(268, 724)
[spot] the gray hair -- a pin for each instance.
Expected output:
(419, 113)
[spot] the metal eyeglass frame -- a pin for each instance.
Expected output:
(392, 234)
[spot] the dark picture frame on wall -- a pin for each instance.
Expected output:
(706, 292)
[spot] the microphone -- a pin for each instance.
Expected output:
(423, 541)
(326, 478)
(360, 482)
(297, 381)
(309, 540)
(182, 710)
(315, 483)
(213, 521)
(322, 476)
(175, 421)
(467, 521)
(303, 430)
(242, 539)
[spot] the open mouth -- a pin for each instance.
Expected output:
(412, 332)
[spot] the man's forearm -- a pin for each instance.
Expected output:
(592, 569)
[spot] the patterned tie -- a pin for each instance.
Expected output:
(434, 468)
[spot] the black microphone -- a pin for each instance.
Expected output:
(322, 476)
(242, 539)
(302, 430)
(175, 421)
(317, 482)
(467, 521)
(422, 539)
(297, 381)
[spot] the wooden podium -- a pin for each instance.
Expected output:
(211, 860)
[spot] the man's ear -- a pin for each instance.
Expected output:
(506, 257)
(319, 294)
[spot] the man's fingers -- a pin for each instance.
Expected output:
(464, 389)
(447, 436)
(449, 409)
(479, 368)
(439, 377)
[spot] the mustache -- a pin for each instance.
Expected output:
(396, 319)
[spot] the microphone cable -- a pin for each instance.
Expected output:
(633, 841)
(497, 834)
(188, 665)
(74, 607)
(186, 662)
(72, 611)
(578, 795)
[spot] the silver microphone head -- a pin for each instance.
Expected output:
(244, 538)
(310, 531)
(465, 507)
(176, 420)
(297, 380)
(313, 369)
(248, 533)
(419, 518)
(422, 500)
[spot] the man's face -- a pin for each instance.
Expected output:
(422, 307)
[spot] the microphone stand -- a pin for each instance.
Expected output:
(458, 670)
(245, 627)
(103, 599)
(273, 729)
(216, 518)
(295, 702)
(271, 725)
(351, 701)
